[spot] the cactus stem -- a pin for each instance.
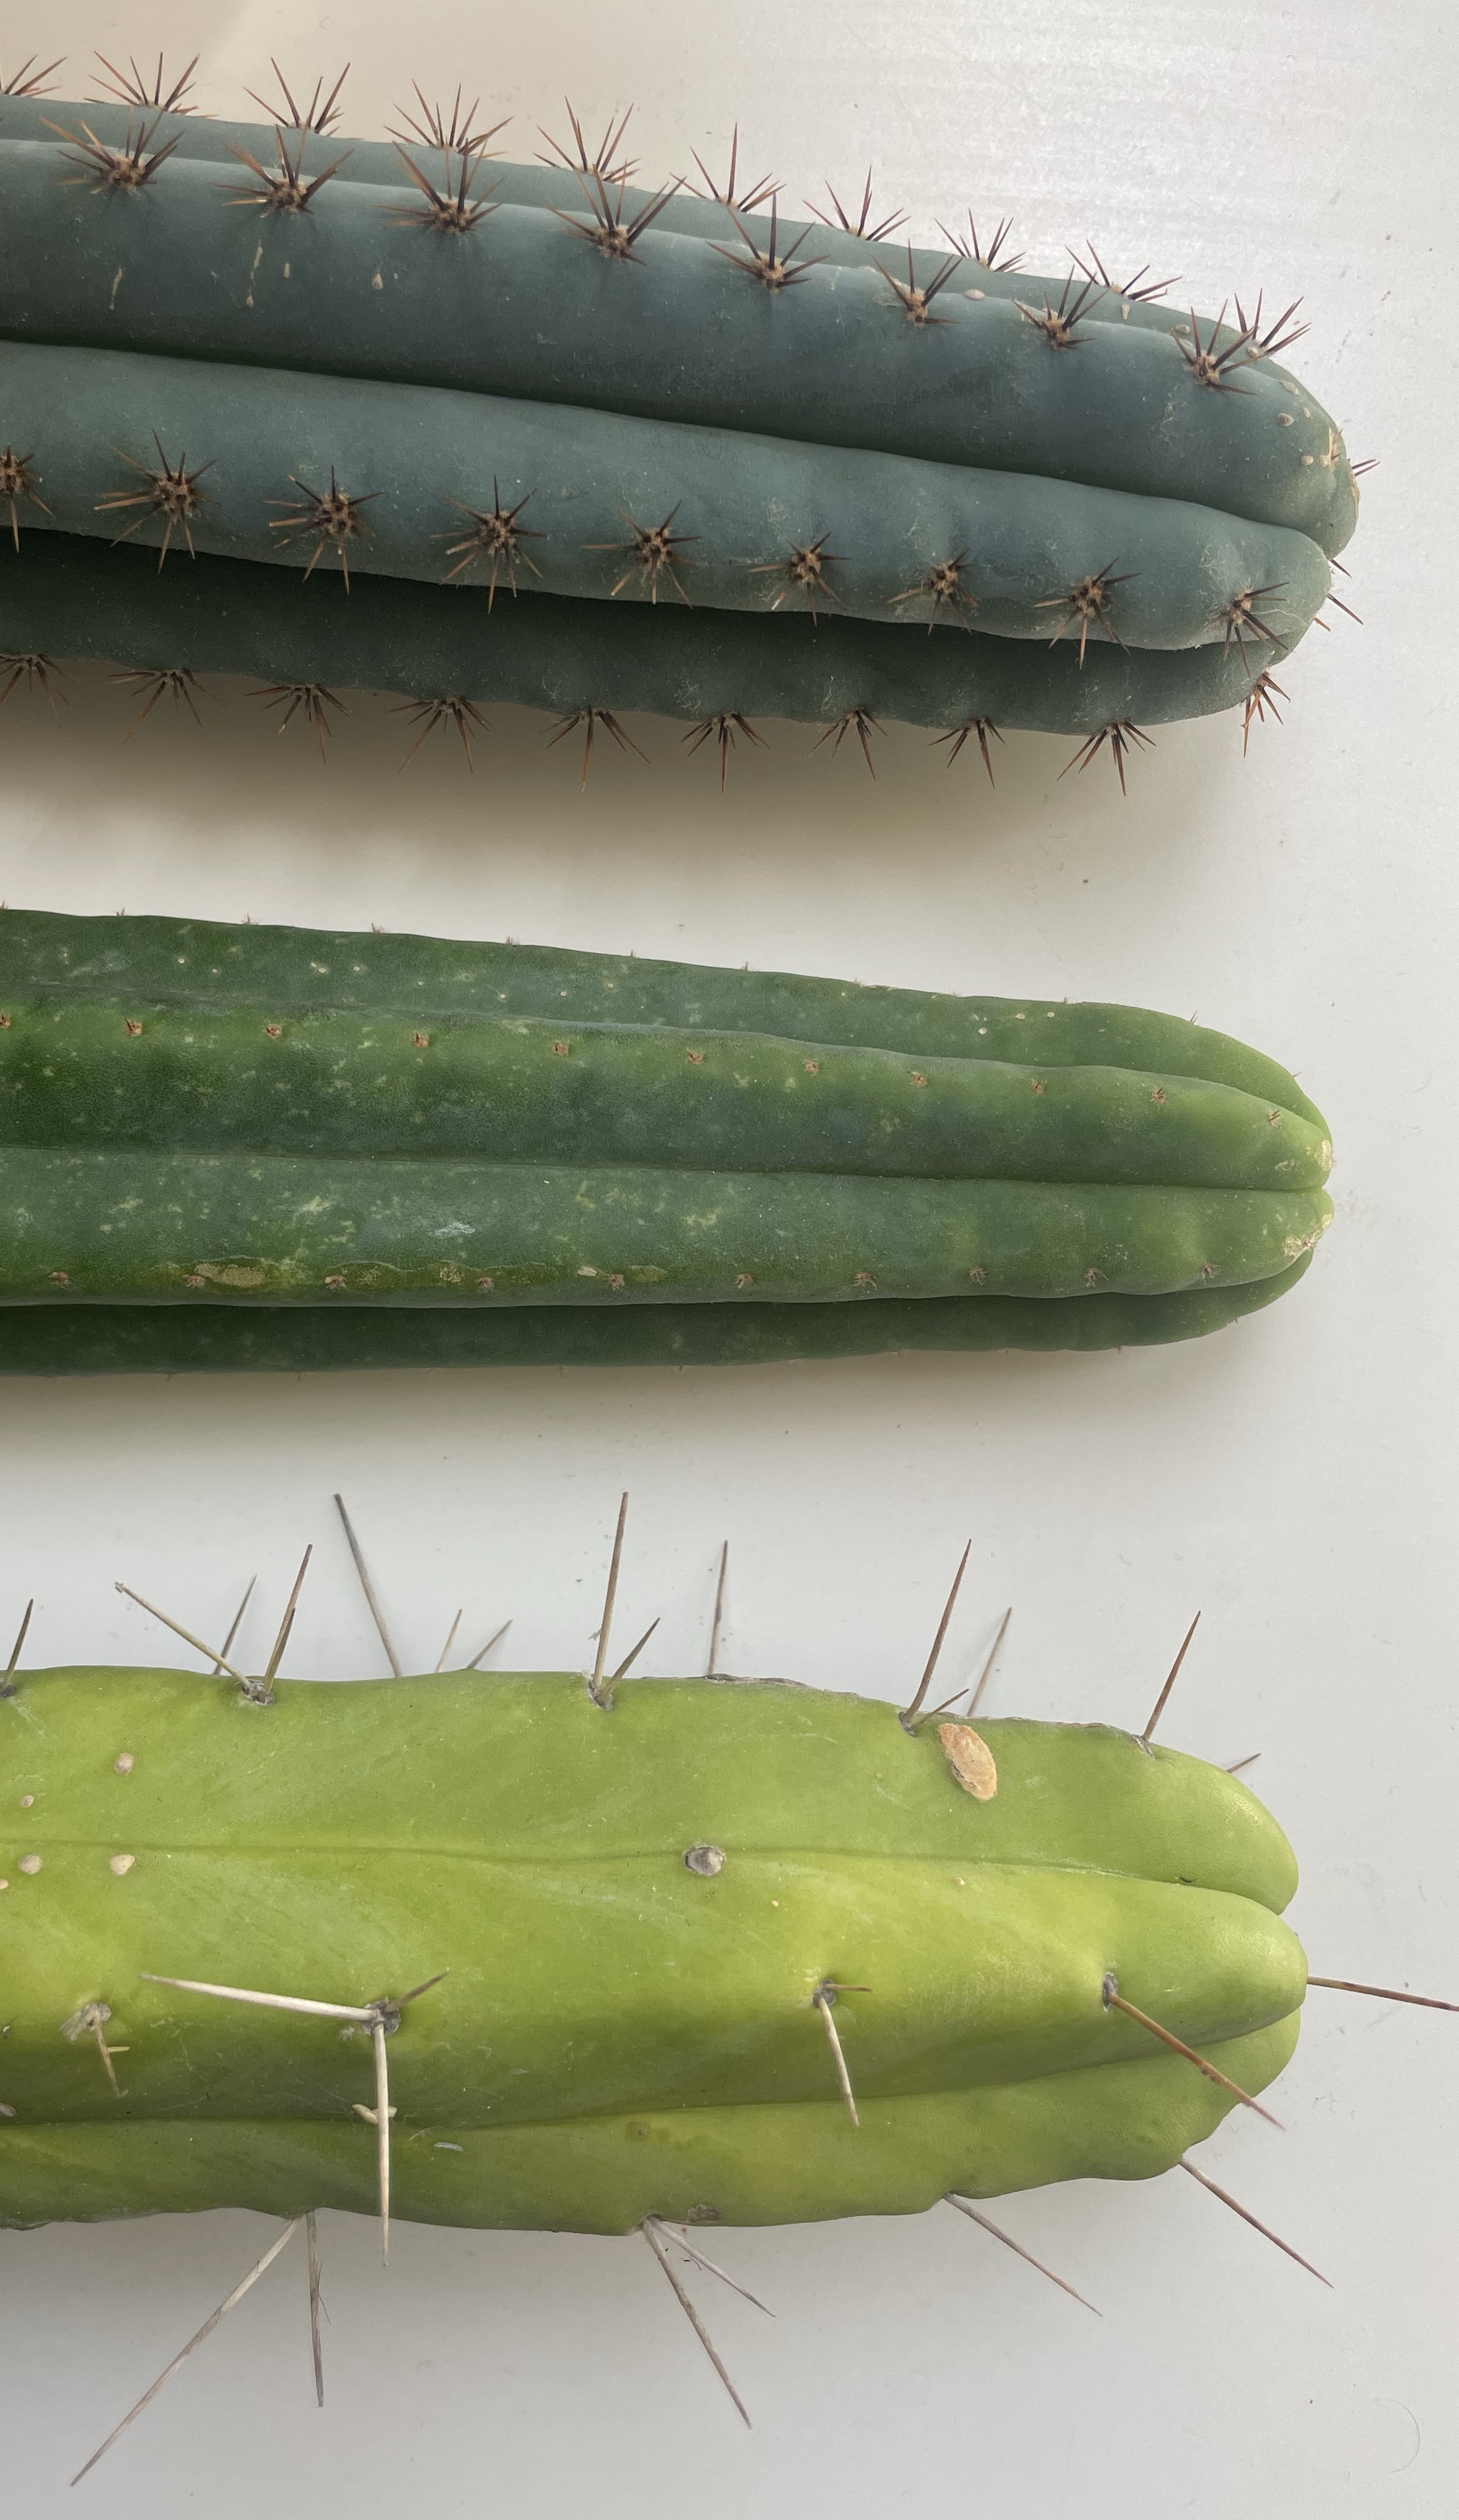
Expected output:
(909, 1715)
(590, 719)
(724, 728)
(651, 2235)
(114, 170)
(595, 1685)
(1386, 1994)
(1277, 2244)
(458, 137)
(18, 480)
(864, 724)
(1056, 323)
(454, 709)
(311, 2230)
(8, 1682)
(368, 1588)
(1121, 735)
(450, 1639)
(1114, 2000)
(248, 1687)
(130, 88)
(732, 198)
(682, 2240)
(91, 2023)
(629, 1659)
(805, 572)
(478, 1659)
(861, 225)
(605, 226)
(495, 536)
(204, 2332)
(766, 264)
(1209, 365)
(1263, 696)
(320, 114)
(28, 79)
(171, 492)
(944, 584)
(988, 258)
(822, 2000)
(1239, 619)
(974, 2216)
(285, 1624)
(150, 686)
(1159, 1708)
(449, 210)
(716, 1624)
(957, 736)
(916, 301)
(1275, 339)
(286, 190)
(654, 548)
(1088, 603)
(1137, 290)
(604, 161)
(312, 698)
(333, 514)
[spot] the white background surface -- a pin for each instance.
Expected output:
(1292, 1477)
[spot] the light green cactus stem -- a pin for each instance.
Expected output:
(215, 1149)
(637, 1904)
(71, 597)
(226, 459)
(520, 305)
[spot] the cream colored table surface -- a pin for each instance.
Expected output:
(1291, 1478)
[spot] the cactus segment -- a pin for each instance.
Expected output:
(514, 1834)
(323, 1121)
(72, 597)
(423, 458)
(522, 306)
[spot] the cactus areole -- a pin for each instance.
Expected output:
(635, 1910)
(234, 342)
(255, 1146)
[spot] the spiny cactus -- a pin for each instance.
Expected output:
(254, 1118)
(269, 342)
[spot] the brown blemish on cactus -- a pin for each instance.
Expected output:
(312, 700)
(745, 1278)
(653, 549)
(723, 728)
(590, 719)
(171, 493)
(1038, 1086)
(333, 516)
(917, 1077)
(1089, 604)
(286, 190)
(175, 682)
(1122, 735)
(861, 225)
(274, 1032)
(812, 1066)
(1137, 290)
(1239, 620)
(130, 88)
(804, 572)
(496, 536)
(605, 225)
(1157, 1094)
(857, 720)
(945, 583)
(767, 263)
(452, 710)
(978, 1275)
(916, 301)
(1093, 1276)
(1262, 697)
(733, 197)
(447, 208)
(320, 114)
(696, 1058)
(18, 480)
(1056, 323)
(986, 257)
(864, 1278)
(28, 80)
(957, 736)
(419, 1041)
(114, 170)
(971, 1760)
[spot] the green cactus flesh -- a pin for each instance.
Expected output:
(257, 1118)
(621, 2031)
(434, 459)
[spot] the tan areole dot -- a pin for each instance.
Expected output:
(26, 1801)
(119, 1864)
(31, 1862)
(125, 1764)
(971, 1760)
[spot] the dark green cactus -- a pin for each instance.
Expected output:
(256, 1119)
